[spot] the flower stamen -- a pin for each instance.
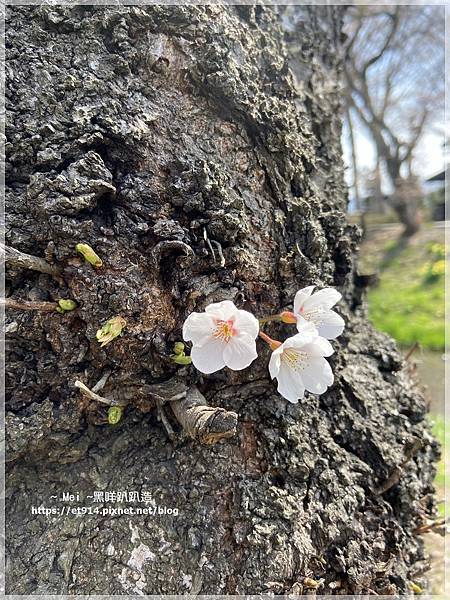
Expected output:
(294, 359)
(224, 330)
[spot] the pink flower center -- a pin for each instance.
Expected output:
(224, 330)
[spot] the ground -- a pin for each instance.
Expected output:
(408, 303)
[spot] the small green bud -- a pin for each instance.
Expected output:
(89, 254)
(60, 310)
(311, 583)
(178, 348)
(67, 305)
(110, 330)
(181, 359)
(114, 414)
(415, 588)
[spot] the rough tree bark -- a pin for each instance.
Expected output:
(133, 128)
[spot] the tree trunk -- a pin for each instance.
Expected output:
(406, 201)
(177, 144)
(405, 205)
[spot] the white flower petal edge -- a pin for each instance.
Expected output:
(197, 327)
(221, 336)
(240, 352)
(316, 308)
(307, 332)
(208, 358)
(221, 310)
(299, 365)
(301, 296)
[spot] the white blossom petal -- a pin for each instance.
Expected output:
(301, 296)
(316, 308)
(301, 321)
(298, 366)
(245, 322)
(240, 352)
(221, 336)
(317, 375)
(307, 332)
(197, 327)
(275, 362)
(324, 299)
(290, 384)
(221, 310)
(208, 357)
(330, 325)
(318, 347)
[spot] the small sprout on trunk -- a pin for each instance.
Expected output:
(415, 588)
(66, 305)
(312, 584)
(110, 330)
(181, 360)
(178, 348)
(115, 414)
(89, 254)
(179, 357)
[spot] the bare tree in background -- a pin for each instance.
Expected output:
(394, 71)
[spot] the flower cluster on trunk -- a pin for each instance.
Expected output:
(225, 336)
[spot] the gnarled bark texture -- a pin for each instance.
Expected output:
(180, 145)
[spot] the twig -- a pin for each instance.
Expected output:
(208, 241)
(93, 396)
(28, 305)
(438, 526)
(27, 261)
(201, 422)
(101, 382)
(167, 391)
(411, 351)
(394, 477)
(165, 421)
(167, 247)
(268, 319)
(219, 250)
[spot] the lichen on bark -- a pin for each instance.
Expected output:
(201, 160)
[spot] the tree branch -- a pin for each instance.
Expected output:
(394, 26)
(28, 305)
(206, 424)
(27, 261)
(418, 129)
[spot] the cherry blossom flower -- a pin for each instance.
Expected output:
(299, 364)
(316, 308)
(221, 336)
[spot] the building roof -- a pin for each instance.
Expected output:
(439, 176)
